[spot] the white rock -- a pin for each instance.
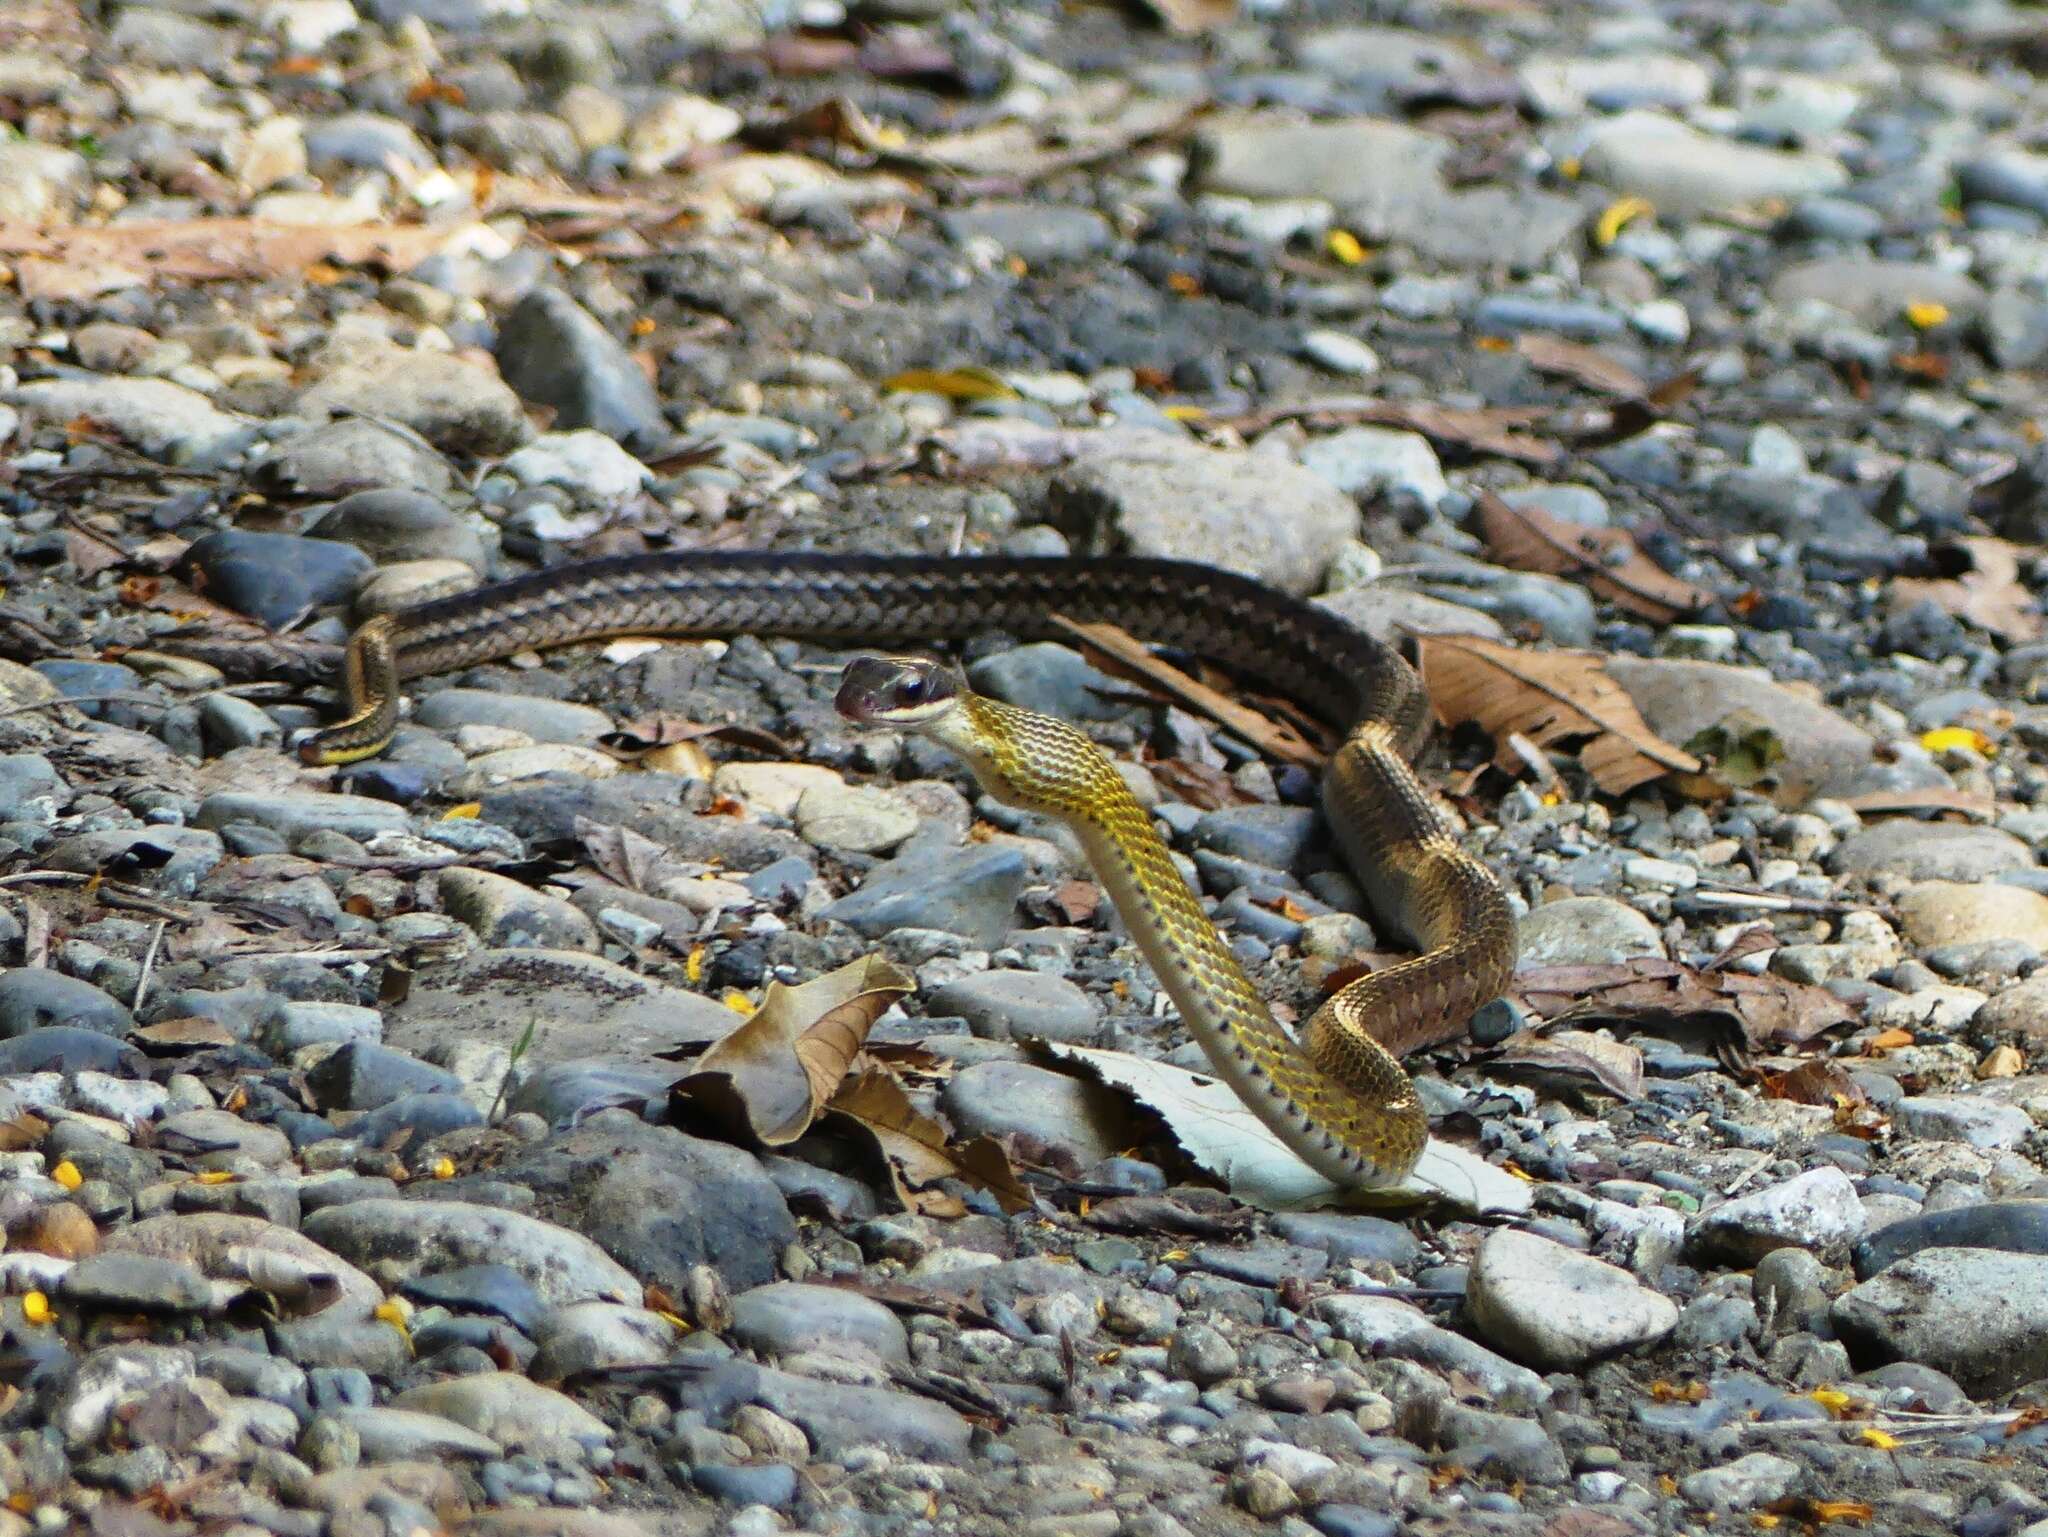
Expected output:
(1558, 1309)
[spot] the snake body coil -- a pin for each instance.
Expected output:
(1338, 1097)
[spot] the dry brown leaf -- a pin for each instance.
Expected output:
(1578, 1055)
(782, 1064)
(1580, 364)
(1819, 1082)
(915, 1149)
(76, 262)
(1605, 560)
(188, 1034)
(1548, 697)
(1496, 430)
(1191, 18)
(1926, 798)
(1985, 589)
(632, 859)
(1127, 654)
(1729, 1009)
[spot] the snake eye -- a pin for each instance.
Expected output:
(914, 690)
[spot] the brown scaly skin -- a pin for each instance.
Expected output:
(1339, 1098)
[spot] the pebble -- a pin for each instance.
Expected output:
(558, 355)
(1008, 1005)
(1818, 1210)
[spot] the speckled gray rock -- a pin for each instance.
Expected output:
(1557, 1309)
(1001, 1005)
(1977, 1314)
(1585, 931)
(1818, 1210)
(1930, 851)
(396, 1239)
(1245, 512)
(34, 997)
(788, 1318)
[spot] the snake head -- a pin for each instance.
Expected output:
(905, 691)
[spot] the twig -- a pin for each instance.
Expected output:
(156, 939)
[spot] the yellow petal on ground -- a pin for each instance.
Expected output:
(737, 1001)
(1186, 413)
(1949, 738)
(1926, 314)
(1346, 247)
(1569, 168)
(1617, 216)
(468, 811)
(35, 1307)
(67, 1175)
(1883, 1440)
(970, 383)
(693, 965)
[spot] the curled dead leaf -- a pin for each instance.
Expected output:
(1981, 585)
(1548, 697)
(1607, 561)
(777, 1070)
(916, 1151)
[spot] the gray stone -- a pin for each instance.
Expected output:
(556, 353)
(451, 402)
(596, 1336)
(1875, 292)
(388, 1434)
(658, 1201)
(1000, 1097)
(1585, 931)
(293, 814)
(508, 1409)
(399, 524)
(789, 1318)
(1038, 233)
(395, 1239)
(1390, 613)
(34, 998)
(510, 915)
(967, 891)
(545, 720)
(1979, 1315)
(362, 1075)
(1818, 1210)
(837, 1417)
(128, 1282)
(1930, 851)
(1981, 1123)
(1249, 513)
(1684, 172)
(1051, 679)
(582, 1008)
(1748, 1483)
(1558, 1309)
(1005, 1005)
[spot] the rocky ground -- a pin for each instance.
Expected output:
(341, 1188)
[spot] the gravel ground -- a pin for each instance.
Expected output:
(341, 1187)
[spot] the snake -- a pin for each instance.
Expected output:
(1335, 1092)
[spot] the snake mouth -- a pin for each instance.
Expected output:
(894, 691)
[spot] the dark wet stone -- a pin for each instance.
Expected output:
(2016, 1227)
(563, 1091)
(768, 1483)
(397, 524)
(1052, 679)
(1350, 1238)
(1278, 837)
(495, 1289)
(363, 1075)
(35, 998)
(556, 353)
(273, 578)
(968, 891)
(416, 1116)
(1353, 1521)
(123, 1282)
(90, 682)
(660, 1202)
